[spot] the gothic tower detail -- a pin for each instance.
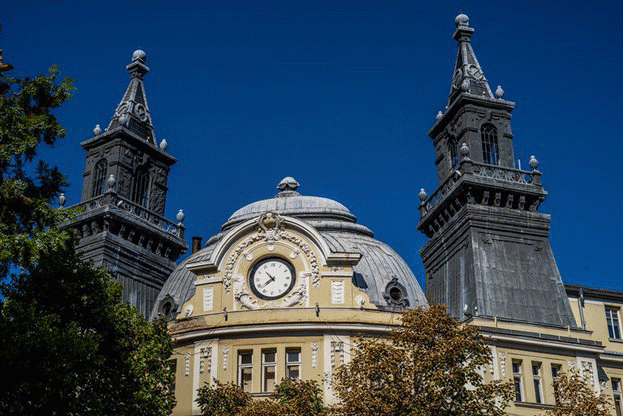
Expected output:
(489, 251)
(123, 195)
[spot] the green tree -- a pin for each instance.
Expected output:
(69, 345)
(574, 397)
(222, 399)
(290, 398)
(429, 366)
(26, 122)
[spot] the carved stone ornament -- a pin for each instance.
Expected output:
(243, 296)
(139, 110)
(122, 108)
(270, 229)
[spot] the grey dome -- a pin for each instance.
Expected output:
(379, 271)
(296, 205)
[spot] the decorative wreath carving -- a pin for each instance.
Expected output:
(271, 229)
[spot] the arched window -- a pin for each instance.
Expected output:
(141, 187)
(453, 152)
(99, 178)
(489, 136)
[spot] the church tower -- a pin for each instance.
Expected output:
(489, 251)
(123, 194)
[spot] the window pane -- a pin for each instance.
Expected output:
(555, 370)
(517, 388)
(246, 379)
(537, 390)
(293, 356)
(515, 367)
(246, 358)
(269, 357)
(269, 378)
(489, 137)
(292, 371)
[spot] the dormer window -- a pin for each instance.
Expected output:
(140, 192)
(99, 178)
(490, 151)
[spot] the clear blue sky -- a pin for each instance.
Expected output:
(340, 95)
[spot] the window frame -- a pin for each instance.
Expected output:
(244, 366)
(537, 379)
(490, 144)
(453, 152)
(518, 380)
(99, 178)
(296, 363)
(617, 395)
(140, 188)
(267, 365)
(612, 317)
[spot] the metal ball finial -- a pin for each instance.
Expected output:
(462, 20)
(499, 92)
(464, 150)
(465, 85)
(534, 163)
(180, 216)
(422, 195)
(139, 55)
(110, 182)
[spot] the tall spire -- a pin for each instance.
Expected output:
(133, 111)
(468, 76)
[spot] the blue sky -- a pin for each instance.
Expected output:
(340, 95)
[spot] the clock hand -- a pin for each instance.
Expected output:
(271, 279)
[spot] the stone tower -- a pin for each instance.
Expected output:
(489, 251)
(123, 194)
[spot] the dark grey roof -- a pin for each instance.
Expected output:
(380, 267)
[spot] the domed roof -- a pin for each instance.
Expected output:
(381, 272)
(289, 202)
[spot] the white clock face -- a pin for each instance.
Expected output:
(272, 278)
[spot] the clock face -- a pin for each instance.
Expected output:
(272, 278)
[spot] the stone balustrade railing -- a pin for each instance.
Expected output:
(469, 167)
(111, 198)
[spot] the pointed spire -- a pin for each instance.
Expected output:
(468, 76)
(133, 111)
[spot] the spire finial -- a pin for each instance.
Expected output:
(137, 67)
(462, 20)
(133, 111)
(468, 76)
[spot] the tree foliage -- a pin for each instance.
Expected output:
(574, 397)
(69, 345)
(430, 365)
(26, 216)
(290, 398)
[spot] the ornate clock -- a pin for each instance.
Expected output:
(272, 278)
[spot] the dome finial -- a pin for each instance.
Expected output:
(288, 187)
